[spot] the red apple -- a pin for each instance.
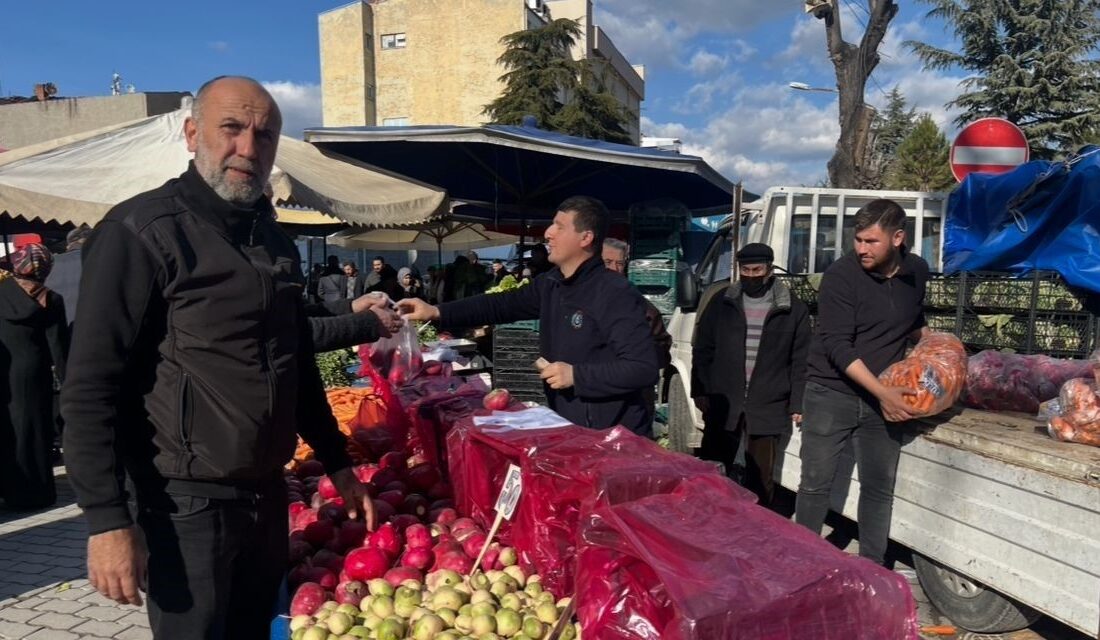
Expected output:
(394, 498)
(497, 400)
(366, 563)
(350, 592)
(327, 489)
(423, 476)
(417, 558)
(397, 575)
(418, 536)
(387, 539)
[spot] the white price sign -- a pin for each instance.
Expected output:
(509, 493)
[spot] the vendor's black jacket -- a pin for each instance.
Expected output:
(593, 320)
(864, 316)
(192, 362)
(779, 377)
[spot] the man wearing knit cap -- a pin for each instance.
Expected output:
(749, 368)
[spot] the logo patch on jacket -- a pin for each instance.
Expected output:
(577, 321)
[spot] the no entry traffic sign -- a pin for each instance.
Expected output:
(989, 145)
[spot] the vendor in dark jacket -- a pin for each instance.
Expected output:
(192, 372)
(592, 324)
(749, 368)
(870, 308)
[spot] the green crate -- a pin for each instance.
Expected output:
(652, 273)
(665, 302)
(522, 325)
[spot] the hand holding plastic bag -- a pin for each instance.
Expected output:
(935, 370)
(406, 360)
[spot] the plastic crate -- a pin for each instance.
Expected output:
(804, 287)
(1039, 291)
(665, 302)
(656, 273)
(942, 292)
(525, 325)
(655, 222)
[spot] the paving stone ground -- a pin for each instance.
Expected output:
(44, 590)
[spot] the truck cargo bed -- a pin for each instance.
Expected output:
(993, 497)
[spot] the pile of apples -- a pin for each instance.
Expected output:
(446, 606)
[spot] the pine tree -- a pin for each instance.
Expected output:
(1030, 61)
(591, 111)
(540, 70)
(564, 95)
(921, 162)
(891, 126)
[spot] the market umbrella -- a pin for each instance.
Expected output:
(524, 172)
(79, 178)
(457, 235)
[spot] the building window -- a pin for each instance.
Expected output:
(370, 41)
(393, 41)
(395, 122)
(370, 92)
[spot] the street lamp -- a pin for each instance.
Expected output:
(802, 86)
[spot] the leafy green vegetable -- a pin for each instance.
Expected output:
(508, 283)
(333, 366)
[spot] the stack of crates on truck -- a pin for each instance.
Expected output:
(1037, 313)
(656, 246)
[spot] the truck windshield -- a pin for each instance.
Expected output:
(716, 262)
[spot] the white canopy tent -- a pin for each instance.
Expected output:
(79, 178)
(458, 236)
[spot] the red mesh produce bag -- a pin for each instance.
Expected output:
(700, 563)
(997, 381)
(935, 369)
(562, 468)
(396, 422)
(1075, 417)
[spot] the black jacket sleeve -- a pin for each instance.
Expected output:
(342, 331)
(703, 345)
(120, 280)
(316, 424)
(57, 336)
(800, 348)
(662, 341)
(327, 308)
(629, 336)
(494, 308)
(836, 320)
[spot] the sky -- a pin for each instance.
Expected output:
(717, 71)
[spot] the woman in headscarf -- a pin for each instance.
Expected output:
(33, 343)
(410, 283)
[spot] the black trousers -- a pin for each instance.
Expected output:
(760, 457)
(215, 564)
(830, 419)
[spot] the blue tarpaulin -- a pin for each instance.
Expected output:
(1040, 216)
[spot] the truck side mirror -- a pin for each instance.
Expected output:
(687, 287)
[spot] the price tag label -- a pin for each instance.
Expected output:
(509, 493)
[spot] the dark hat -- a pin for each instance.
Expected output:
(755, 253)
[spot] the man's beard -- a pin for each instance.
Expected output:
(243, 193)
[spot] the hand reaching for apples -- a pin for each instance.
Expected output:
(417, 309)
(559, 375)
(354, 493)
(117, 565)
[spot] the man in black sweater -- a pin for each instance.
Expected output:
(748, 368)
(869, 309)
(192, 373)
(592, 325)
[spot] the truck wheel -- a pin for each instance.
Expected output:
(680, 424)
(970, 604)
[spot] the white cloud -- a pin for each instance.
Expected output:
(656, 32)
(767, 136)
(219, 46)
(300, 104)
(705, 63)
(703, 97)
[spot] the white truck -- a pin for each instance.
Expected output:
(1003, 521)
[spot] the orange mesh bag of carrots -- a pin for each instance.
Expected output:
(1076, 415)
(935, 369)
